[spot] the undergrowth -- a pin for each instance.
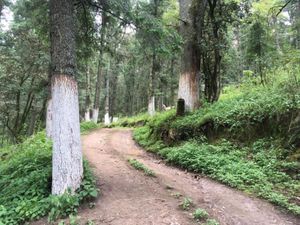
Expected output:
(86, 127)
(25, 184)
(140, 166)
(134, 121)
(243, 140)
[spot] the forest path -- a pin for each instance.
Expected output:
(128, 197)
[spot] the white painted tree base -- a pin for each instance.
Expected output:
(87, 116)
(106, 119)
(189, 91)
(95, 115)
(151, 106)
(67, 168)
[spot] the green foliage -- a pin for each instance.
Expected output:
(140, 166)
(211, 222)
(200, 214)
(134, 121)
(244, 114)
(186, 203)
(255, 170)
(25, 184)
(255, 120)
(86, 127)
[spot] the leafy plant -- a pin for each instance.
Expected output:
(200, 214)
(139, 166)
(25, 184)
(86, 127)
(211, 222)
(186, 203)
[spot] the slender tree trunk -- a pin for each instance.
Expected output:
(88, 95)
(32, 122)
(106, 116)
(151, 96)
(96, 106)
(298, 24)
(67, 168)
(190, 60)
(172, 88)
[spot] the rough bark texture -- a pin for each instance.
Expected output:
(190, 61)
(106, 116)
(67, 157)
(97, 91)
(99, 73)
(298, 24)
(67, 165)
(88, 96)
(49, 119)
(151, 106)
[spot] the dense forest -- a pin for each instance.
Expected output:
(210, 86)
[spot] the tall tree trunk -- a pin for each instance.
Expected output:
(67, 168)
(96, 106)
(276, 35)
(151, 96)
(190, 60)
(106, 116)
(32, 122)
(88, 95)
(298, 24)
(172, 86)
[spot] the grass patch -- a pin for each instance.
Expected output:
(255, 171)
(86, 127)
(140, 166)
(248, 140)
(186, 204)
(25, 184)
(211, 222)
(134, 121)
(200, 214)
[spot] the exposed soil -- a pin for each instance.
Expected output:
(128, 197)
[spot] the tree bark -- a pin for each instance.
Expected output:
(96, 106)
(190, 60)
(151, 96)
(88, 95)
(49, 119)
(32, 122)
(67, 167)
(106, 116)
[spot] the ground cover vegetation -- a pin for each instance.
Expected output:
(235, 63)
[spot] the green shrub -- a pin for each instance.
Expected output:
(231, 165)
(200, 214)
(243, 140)
(186, 203)
(25, 184)
(85, 127)
(134, 121)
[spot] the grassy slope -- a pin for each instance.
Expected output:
(240, 140)
(25, 183)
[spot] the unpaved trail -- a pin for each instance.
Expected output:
(128, 197)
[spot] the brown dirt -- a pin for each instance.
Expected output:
(128, 197)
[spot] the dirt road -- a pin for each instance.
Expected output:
(131, 198)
